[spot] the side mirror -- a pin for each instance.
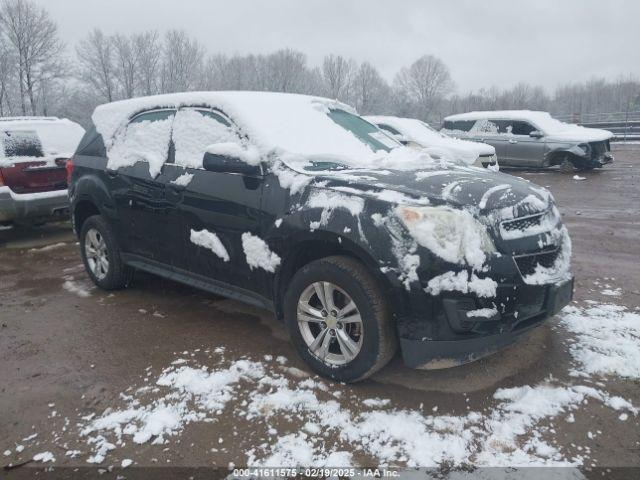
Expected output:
(214, 162)
(402, 139)
(536, 134)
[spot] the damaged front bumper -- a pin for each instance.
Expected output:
(451, 338)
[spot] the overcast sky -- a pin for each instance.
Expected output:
(484, 43)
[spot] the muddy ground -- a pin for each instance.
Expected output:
(80, 352)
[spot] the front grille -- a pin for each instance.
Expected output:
(598, 149)
(523, 223)
(528, 263)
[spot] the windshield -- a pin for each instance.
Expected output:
(434, 131)
(364, 131)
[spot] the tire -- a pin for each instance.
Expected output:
(374, 335)
(116, 274)
(567, 165)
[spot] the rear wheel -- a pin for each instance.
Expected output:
(338, 320)
(101, 255)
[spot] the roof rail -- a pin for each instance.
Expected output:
(27, 119)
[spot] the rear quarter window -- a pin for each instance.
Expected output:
(21, 143)
(91, 144)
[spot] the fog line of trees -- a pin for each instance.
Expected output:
(39, 75)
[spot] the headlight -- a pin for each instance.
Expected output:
(584, 147)
(453, 235)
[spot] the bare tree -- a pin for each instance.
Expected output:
(425, 84)
(34, 38)
(7, 70)
(148, 52)
(126, 64)
(182, 62)
(337, 73)
(370, 91)
(95, 57)
(284, 71)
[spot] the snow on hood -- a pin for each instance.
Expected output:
(297, 127)
(436, 143)
(554, 129)
(473, 188)
(59, 137)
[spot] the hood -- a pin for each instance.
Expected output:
(579, 134)
(463, 146)
(479, 190)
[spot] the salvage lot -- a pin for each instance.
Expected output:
(161, 374)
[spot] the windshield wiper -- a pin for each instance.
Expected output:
(319, 166)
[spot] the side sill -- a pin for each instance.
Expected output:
(197, 281)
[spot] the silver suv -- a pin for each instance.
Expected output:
(524, 138)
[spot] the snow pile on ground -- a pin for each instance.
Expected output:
(607, 339)
(258, 253)
(48, 248)
(307, 422)
(190, 395)
(207, 239)
(76, 287)
(44, 457)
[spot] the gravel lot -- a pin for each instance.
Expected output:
(72, 355)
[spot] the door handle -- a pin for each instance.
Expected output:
(513, 141)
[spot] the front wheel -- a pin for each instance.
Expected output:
(101, 255)
(338, 320)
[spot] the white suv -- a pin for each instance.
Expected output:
(413, 132)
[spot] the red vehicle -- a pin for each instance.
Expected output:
(33, 156)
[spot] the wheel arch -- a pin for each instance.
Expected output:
(325, 244)
(83, 209)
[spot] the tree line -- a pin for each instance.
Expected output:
(39, 75)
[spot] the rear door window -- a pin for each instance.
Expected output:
(521, 128)
(194, 129)
(146, 139)
(21, 143)
(494, 127)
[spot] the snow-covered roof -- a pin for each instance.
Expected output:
(542, 120)
(293, 123)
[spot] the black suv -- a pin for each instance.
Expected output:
(298, 205)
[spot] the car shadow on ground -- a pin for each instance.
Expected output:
(33, 236)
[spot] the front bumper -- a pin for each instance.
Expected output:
(523, 307)
(27, 206)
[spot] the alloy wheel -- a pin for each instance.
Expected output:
(95, 249)
(330, 323)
